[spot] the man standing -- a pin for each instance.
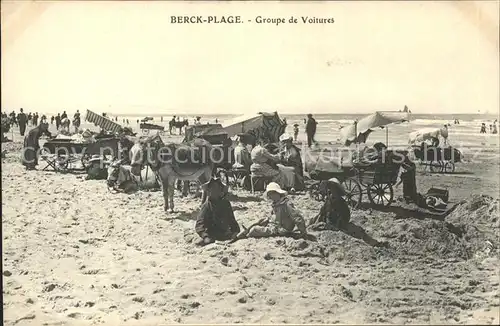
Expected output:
(58, 121)
(76, 120)
(310, 129)
(35, 119)
(22, 120)
(32, 146)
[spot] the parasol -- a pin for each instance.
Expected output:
(424, 134)
(359, 130)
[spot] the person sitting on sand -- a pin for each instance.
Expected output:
(335, 214)
(32, 146)
(216, 218)
(242, 157)
(290, 157)
(266, 164)
(286, 216)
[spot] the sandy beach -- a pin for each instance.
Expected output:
(76, 254)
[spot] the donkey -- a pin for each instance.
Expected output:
(174, 162)
(177, 124)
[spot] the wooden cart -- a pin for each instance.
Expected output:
(147, 127)
(64, 155)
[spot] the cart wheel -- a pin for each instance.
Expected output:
(449, 167)
(436, 166)
(380, 194)
(145, 131)
(353, 191)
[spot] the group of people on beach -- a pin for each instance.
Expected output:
(216, 220)
(23, 120)
(261, 158)
(493, 128)
(282, 165)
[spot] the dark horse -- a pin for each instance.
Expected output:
(177, 124)
(174, 162)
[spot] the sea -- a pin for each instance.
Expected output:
(465, 134)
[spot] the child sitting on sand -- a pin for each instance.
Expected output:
(216, 219)
(286, 216)
(336, 215)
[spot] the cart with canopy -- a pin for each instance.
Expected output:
(377, 179)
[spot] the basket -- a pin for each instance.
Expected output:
(442, 194)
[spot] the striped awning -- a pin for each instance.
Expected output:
(102, 122)
(258, 125)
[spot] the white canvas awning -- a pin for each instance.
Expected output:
(363, 127)
(424, 134)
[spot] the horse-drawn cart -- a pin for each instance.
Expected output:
(146, 127)
(376, 180)
(438, 159)
(63, 155)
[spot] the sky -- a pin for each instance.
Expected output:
(127, 57)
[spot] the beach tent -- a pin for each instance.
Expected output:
(257, 125)
(424, 134)
(359, 130)
(213, 133)
(102, 122)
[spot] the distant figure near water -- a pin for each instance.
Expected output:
(310, 129)
(483, 128)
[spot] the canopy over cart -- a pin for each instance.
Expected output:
(213, 133)
(257, 125)
(358, 132)
(419, 136)
(103, 122)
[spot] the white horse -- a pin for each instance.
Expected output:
(162, 159)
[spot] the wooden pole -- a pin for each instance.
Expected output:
(386, 136)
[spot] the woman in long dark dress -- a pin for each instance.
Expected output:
(32, 146)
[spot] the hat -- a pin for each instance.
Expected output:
(95, 158)
(273, 186)
(206, 186)
(295, 124)
(128, 131)
(334, 183)
(87, 133)
(286, 137)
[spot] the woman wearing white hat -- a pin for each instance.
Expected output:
(290, 157)
(268, 165)
(286, 216)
